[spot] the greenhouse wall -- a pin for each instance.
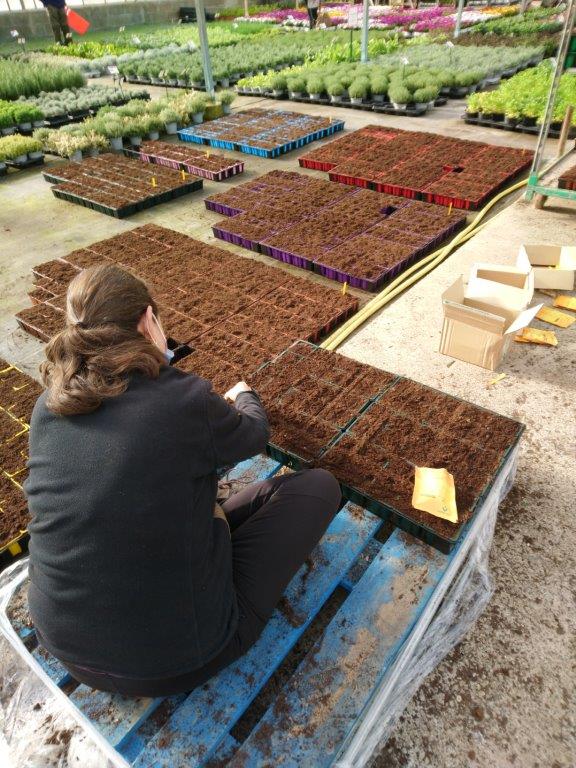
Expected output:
(33, 22)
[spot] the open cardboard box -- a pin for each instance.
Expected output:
(553, 265)
(501, 285)
(476, 330)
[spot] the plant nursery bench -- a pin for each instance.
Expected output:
(341, 701)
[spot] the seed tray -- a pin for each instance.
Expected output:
(294, 208)
(261, 127)
(149, 154)
(420, 166)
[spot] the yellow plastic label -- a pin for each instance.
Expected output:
(566, 302)
(344, 288)
(183, 174)
(153, 181)
(555, 317)
(435, 493)
(14, 548)
(536, 336)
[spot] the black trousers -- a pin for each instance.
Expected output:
(59, 23)
(312, 16)
(274, 526)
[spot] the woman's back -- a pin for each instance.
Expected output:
(130, 572)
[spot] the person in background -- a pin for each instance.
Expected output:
(56, 10)
(140, 583)
(313, 6)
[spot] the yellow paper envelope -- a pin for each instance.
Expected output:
(566, 302)
(536, 336)
(555, 317)
(435, 493)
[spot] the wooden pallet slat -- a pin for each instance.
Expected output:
(115, 716)
(56, 671)
(197, 728)
(313, 715)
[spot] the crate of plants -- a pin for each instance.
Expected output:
(19, 152)
(208, 297)
(420, 166)
(266, 133)
(18, 394)
(372, 429)
(291, 217)
(204, 164)
(119, 186)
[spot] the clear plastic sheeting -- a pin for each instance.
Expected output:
(455, 605)
(39, 727)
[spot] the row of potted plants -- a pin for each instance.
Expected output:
(25, 114)
(135, 121)
(417, 76)
(229, 63)
(20, 78)
(522, 99)
(18, 150)
(360, 83)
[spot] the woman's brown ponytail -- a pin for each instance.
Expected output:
(91, 358)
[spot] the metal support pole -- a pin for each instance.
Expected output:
(458, 18)
(246, 10)
(365, 20)
(547, 119)
(203, 34)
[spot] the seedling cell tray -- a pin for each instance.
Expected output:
(202, 164)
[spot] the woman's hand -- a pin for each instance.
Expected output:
(236, 390)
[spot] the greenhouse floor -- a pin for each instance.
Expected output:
(504, 697)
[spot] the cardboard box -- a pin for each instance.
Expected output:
(553, 265)
(477, 331)
(501, 285)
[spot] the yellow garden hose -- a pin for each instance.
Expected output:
(414, 273)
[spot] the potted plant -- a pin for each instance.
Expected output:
(153, 125)
(95, 142)
(279, 85)
(423, 97)
(226, 99)
(7, 122)
(134, 129)
(358, 91)
(113, 129)
(197, 107)
(400, 96)
(296, 86)
(335, 90)
(183, 78)
(379, 87)
(170, 119)
(171, 75)
(315, 87)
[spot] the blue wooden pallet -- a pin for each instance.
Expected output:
(390, 588)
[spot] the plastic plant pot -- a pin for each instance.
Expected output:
(35, 155)
(225, 82)
(226, 109)
(378, 98)
(295, 94)
(336, 99)
(315, 97)
(399, 107)
(356, 101)
(25, 126)
(38, 124)
(171, 128)
(116, 143)
(135, 141)
(154, 135)
(20, 159)
(278, 94)
(197, 118)
(93, 152)
(76, 157)
(9, 131)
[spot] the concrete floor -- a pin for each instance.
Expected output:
(505, 696)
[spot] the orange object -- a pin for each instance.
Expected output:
(76, 22)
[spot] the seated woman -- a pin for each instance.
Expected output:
(139, 583)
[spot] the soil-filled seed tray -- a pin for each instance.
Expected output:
(421, 166)
(18, 394)
(224, 305)
(372, 428)
(350, 235)
(202, 163)
(568, 179)
(262, 132)
(119, 186)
